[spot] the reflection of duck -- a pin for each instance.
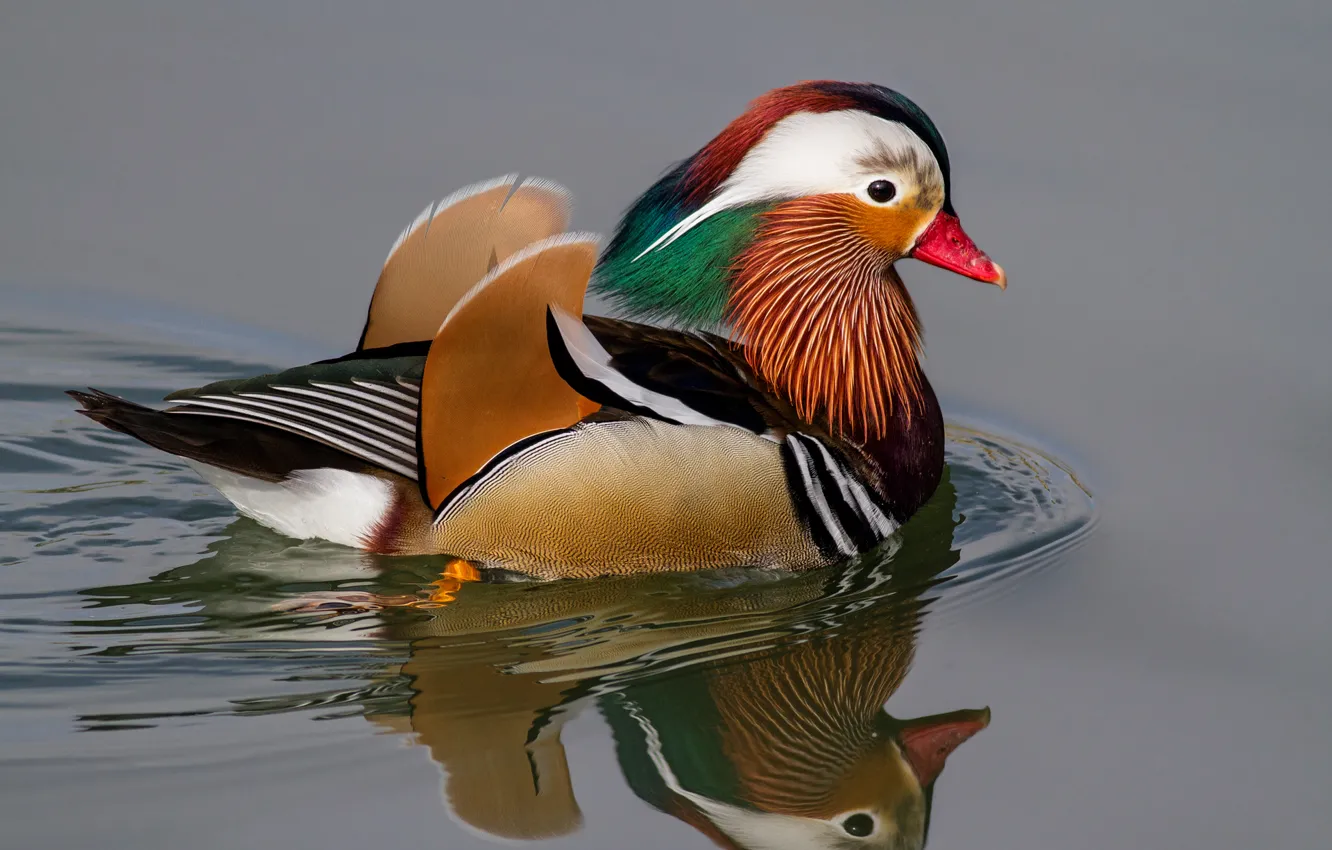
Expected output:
(515, 434)
(794, 749)
(752, 712)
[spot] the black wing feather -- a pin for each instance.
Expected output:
(258, 451)
(359, 410)
(704, 372)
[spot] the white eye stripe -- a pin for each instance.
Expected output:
(817, 154)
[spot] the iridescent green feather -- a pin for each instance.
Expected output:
(686, 282)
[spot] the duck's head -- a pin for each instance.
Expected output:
(882, 797)
(886, 797)
(787, 226)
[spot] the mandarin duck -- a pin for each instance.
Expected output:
(781, 420)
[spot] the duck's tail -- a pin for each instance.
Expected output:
(248, 449)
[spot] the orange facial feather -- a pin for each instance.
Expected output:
(825, 318)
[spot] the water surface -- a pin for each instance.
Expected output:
(155, 642)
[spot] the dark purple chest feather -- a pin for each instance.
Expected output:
(910, 455)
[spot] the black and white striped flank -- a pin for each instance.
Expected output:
(844, 516)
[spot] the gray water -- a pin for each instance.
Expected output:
(1152, 176)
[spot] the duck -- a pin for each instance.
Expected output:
(756, 401)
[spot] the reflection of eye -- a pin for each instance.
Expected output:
(859, 825)
(881, 191)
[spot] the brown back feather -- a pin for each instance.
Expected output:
(453, 245)
(489, 380)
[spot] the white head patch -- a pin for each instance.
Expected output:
(819, 153)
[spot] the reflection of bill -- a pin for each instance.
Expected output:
(754, 713)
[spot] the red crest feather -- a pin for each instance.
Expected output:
(713, 164)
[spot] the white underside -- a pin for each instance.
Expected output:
(328, 504)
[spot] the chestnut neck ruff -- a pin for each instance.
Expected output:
(824, 323)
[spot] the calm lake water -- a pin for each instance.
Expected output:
(194, 194)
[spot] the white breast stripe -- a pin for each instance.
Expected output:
(882, 523)
(594, 362)
(855, 495)
(817, 499)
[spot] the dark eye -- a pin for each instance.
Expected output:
(882, 191)
(860, 825)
